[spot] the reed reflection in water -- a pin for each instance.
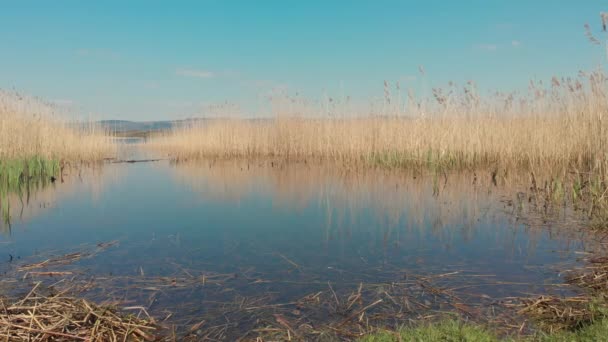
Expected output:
(391, 205)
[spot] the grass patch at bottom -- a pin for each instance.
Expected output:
(457, 331)
(449, 330)
(597, 331)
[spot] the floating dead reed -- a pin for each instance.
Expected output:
(554, 313)
(594, 276)
(57, 317)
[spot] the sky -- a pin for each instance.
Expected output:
(155, 60)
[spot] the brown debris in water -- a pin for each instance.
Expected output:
(569, 313)
(594, 276)
(246, 305)
(56, 317)
(556, 313)
(67, 258)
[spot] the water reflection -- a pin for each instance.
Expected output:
(390, 204)
(35, 197)
(241, 242)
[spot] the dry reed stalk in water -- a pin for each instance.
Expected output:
(39, 317)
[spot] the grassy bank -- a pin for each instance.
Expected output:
(452, 330)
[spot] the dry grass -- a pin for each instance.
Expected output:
(31, 128)
(593, 277)
(560, 125)
(57, 317)
(555, 313)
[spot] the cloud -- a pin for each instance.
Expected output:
(195, 73)
(515, 43)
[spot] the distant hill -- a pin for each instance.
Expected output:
(124, 126)
(127, 126)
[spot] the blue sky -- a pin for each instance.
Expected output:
(148, 60)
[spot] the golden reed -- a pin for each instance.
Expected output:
(560, 125)
(31, 128)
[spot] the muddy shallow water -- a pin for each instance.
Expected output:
(224, 250)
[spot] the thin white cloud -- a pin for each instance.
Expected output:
(515, 43)
(195, 73)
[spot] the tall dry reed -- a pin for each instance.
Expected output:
(30, 128)
(558, 125)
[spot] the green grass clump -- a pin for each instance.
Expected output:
(20, 175)
(16, 172)
(431, 159)
(449, 331)
(597, 331)
(457, 331)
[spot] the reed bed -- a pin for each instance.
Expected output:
(36, 144)
(561, 125)
(31, 128)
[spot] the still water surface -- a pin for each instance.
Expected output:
(231, 243)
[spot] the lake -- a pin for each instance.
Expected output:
(223, 250)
